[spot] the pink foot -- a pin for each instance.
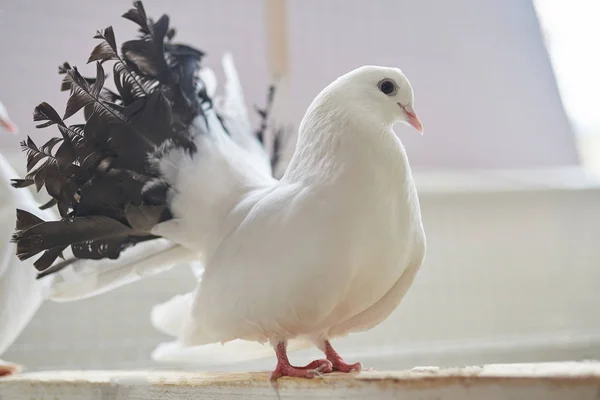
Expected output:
(284, 368)
(338, 362)
(9, 369)
(309, 371)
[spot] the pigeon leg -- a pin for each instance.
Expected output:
(284, 368)
(336, 360)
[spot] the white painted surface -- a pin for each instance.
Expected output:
(573, 381)
(511, 275)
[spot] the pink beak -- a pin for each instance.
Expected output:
(412, 118)
(8, 125)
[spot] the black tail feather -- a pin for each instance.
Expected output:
(98, 174)
(51, 269)
(94, 236)
(48, 258)
(26, 220)
(279, 134)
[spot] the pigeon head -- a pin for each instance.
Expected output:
(6, 124)
(381, 91)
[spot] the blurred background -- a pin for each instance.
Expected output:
(507, 167)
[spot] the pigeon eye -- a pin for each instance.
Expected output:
(388, 87)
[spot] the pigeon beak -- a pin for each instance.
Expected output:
(412, 118)
(8, 125)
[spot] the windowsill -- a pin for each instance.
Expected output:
(562, 178)
(548, 381)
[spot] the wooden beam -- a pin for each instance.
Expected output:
(550, 381)
(277, 38)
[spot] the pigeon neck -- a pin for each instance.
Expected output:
(337, 143)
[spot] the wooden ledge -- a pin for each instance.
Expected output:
(547, 381)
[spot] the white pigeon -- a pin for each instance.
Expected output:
(20, 293)
(5, 122)
(343, 227)
(329, 249)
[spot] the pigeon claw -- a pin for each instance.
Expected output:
(315, 368)
(338, 363)
(341, 366)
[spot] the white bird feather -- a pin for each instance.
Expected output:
(167, 317)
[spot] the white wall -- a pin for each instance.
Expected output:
(484, 87)
(511, 275)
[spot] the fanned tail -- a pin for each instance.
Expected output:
(101, 174)
(87, 278)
